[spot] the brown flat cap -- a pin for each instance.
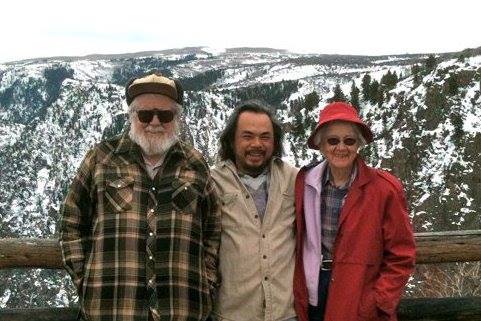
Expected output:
(154, 83)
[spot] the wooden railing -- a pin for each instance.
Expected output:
(431, 248)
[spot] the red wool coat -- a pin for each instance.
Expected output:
(373, 253)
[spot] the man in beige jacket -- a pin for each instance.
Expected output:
(256, 189)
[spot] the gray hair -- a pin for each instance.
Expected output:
(322, 132)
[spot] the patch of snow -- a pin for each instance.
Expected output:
(389, 59)
(4, 298)
(42, 180)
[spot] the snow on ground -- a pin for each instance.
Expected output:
(476, 60)
(4, 298)
(214, 51)
(290, 72)
(389, 59)
(471, 112)
(42, 180)
(98, 70)
(9, 134)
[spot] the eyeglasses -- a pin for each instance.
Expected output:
(164, 116)
(333, 141)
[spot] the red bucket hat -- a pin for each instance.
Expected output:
(340, 111)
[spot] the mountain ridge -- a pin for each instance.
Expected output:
(191, 50)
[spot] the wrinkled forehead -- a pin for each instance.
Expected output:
(150, 101)
(154, 101)
(340, 128)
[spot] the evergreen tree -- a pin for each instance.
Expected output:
(453, 84)
(355, 96)
(385, 78)
(416, 72)
(338, 95)
(430, 63)
(374, 91)
(380, 96)
(389, 80)
(213, 104)
(366, 82)
(457, 122)
(311, 100)
(435, 99)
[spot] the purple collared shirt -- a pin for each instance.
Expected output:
(312, 255)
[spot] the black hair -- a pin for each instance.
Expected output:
(226, 150)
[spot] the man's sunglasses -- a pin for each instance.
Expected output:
(333, 141)
(164, 116)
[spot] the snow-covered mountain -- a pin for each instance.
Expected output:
(425, 111)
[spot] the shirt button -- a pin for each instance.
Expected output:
(247, 196)
(118, 186)
(151, 210)
(256, 216)
(266, 278)
(151, 234)
(153, 188)
(263, 236)
(265, 256)
(150, 257)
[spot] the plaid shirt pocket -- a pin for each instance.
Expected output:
(119, 194)
(184, 197)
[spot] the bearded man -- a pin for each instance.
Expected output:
(257, 248)
(140, 227)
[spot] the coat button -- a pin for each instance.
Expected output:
(247, 196)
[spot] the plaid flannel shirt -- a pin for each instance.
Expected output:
(332, 201)
(134, 245)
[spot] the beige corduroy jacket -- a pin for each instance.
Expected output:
(256, 258)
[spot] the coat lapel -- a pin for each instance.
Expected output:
(355, 192)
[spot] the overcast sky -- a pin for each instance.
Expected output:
(32, 29)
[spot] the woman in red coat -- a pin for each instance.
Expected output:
(355, 246)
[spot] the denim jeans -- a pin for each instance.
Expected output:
(316, 313)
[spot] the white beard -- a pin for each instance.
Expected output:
(153, 143)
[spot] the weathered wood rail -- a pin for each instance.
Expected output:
(444, 309)
(438, 247)
(432, 248)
